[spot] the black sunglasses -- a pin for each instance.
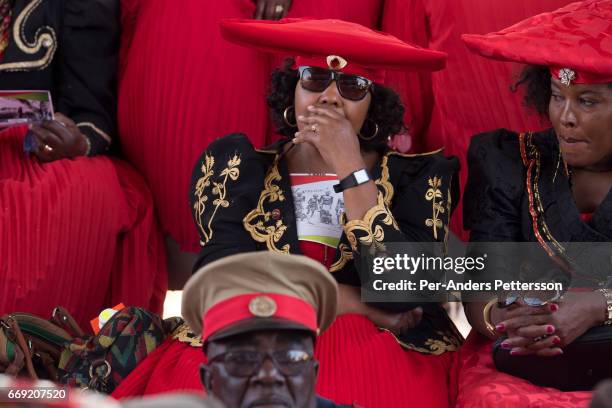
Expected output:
(351, 87)
(247, 363)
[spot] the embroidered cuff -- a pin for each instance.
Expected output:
(371, 229)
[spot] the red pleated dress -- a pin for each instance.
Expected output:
(75, 233)
(359, 364)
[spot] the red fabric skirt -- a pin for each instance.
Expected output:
(75, 233)
(358, 364)
(481, 385)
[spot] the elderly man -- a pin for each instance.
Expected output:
(258, 315)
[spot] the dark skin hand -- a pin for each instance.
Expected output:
(58, 139)
(272, 9)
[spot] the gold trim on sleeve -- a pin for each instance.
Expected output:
(433, 194)
(371, 233)
(441, 345)
(96, 129)
(345, 255)
(259, 222)
(231, 172)
(383, 182)
(46, 39)
(183, 334)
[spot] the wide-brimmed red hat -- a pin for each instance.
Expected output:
(575, 42)
(333, 44)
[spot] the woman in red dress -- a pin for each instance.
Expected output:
(181, 86)
(447, 108)
(281, 199)
(551, 188)
(77, 228)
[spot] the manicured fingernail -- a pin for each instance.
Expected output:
(559, 352)
(506, 345)
(554, 307)
(550, 329)
(515, 352)
(556, 340)
(500, 327)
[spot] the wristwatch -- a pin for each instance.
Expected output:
(608, 296)
(353, 180)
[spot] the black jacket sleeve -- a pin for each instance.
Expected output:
(89, 45)
(226, 184)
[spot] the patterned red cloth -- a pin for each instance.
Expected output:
(75, 233)
(578, 36)
(482, 386)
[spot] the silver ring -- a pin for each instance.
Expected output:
(314, 128)
(47, 148)
(279, 9)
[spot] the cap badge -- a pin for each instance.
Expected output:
(262, 306)
(566, 76)
(336, 62)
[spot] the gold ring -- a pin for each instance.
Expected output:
(279, 9)
(47, 148)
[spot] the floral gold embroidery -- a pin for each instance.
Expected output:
(368, 231)
(257, 222)
(184, 335)
(441, 345)
(231, 172)
(45, 37)
(383, 183)
(345, 255)
(433, 194)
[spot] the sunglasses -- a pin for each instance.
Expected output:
(248, 363)
(351, 87)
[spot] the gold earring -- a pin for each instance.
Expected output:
(369, 138)
(286, 117)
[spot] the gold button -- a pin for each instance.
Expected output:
(262, 306)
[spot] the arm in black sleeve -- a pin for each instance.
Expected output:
(226, 184)
(87, 71)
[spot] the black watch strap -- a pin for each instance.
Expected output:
(353, 180)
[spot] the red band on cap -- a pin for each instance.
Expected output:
(374, 75)
(581, 77)
(240, 307)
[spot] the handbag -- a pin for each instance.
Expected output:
(102, 361)
(31, 346)
(57, 349)
(584, 362)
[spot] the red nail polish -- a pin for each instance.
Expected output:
(500, 327)
(550, 329)
(514, 353)
(506, 345)
(554, 307)
(556, 340)
(559, 352)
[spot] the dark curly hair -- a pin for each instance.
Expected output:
(537, 80)
(386, 109)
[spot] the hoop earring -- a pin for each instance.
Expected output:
(286, 117)
(369, 138)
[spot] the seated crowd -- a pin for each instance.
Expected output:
(274, 313)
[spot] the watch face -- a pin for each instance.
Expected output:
(361, 176)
